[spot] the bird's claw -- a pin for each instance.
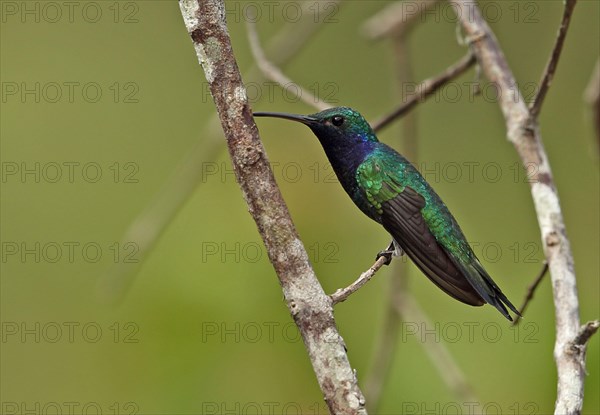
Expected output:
(387, 254)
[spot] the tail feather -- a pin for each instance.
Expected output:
(487, 288)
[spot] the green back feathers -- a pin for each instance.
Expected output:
(384, 174)
(379, 180)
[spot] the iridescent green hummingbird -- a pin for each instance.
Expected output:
(389, 190)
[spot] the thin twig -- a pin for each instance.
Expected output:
(272, 72)
(550, 69)
(310, 307)
(530, 291)
(397, 18)
(343, 293)
(425, 89)
(524, 132)
(286, 43)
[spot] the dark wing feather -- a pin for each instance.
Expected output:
(401, 217)
(491, 292)
(399, 209)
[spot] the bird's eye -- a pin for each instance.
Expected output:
(337, 120)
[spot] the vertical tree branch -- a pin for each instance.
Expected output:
(310, 307)
(523, 132)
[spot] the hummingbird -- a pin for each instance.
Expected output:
(387, 188)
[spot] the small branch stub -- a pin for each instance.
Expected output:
(584, 335)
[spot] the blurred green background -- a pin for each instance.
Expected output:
(102, 101)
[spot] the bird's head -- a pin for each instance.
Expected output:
(335, 127)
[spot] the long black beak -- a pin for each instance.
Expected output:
(304, 119)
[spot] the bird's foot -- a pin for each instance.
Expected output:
(388, 253)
